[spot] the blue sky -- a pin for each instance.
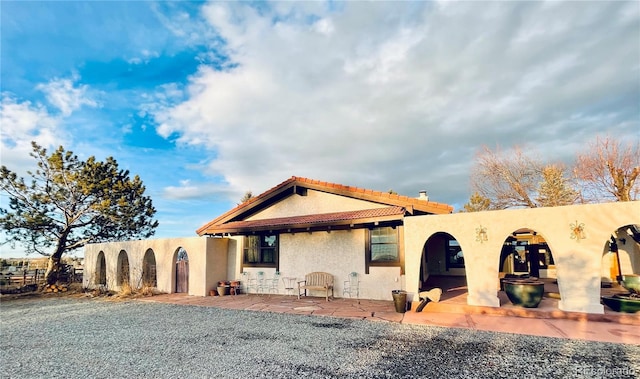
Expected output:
(206, 101)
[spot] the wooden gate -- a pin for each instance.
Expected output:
(182, 272)
(182, 276)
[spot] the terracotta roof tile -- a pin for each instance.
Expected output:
(306, 220)
(356, 192)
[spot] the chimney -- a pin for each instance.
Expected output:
(422, 195)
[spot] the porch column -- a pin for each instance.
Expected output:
(482, 272)
(579, 280)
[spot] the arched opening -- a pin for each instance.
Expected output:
(122, 276)
(101, 270)
(621, 255)
(442, 266)
(525, 252)
(525, 255)
(620, 268)
(182, 270)
(149, 269)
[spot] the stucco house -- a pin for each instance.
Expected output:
(304, 225)
(390, 241)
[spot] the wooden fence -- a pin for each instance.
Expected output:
(25, 277)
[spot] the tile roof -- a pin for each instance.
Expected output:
(308, 221)
(409, 203)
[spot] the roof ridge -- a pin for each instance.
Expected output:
(372, 192)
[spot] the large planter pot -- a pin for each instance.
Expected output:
(400, 300)
(631, 282)
(234, 287)
(512, 277)
(223, 290)
(526, 294)
(622, 303)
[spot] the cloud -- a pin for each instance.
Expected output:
(380, 95)
(27, 121)
(62, 94)
(23, 122)
(187, 190)
(143, 57)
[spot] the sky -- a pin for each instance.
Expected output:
(206, 101)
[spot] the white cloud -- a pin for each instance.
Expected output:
(324, 26)
(23, 122)
(144, 57)
(188, 190)
(64, 95)
(379, 93)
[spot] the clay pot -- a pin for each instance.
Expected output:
(524, 293)
(223, 290)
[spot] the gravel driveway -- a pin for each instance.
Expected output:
(97, 338)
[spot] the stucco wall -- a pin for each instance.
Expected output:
(338, 253)
(578, 261)
(314, 202)
(207, 262)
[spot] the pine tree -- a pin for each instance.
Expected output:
(554, 190)
(70, 203)
(477, 203)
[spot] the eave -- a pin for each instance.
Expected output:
(310, 223)
(298, 185)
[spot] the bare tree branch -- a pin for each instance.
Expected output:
(609, 170)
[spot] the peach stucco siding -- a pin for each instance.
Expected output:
(337, 252)
(313, 203)
(207, 262)
(580, 264)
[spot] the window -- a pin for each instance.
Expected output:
(261, 250)
(546, 259)
(384, 247)
(455, 256)
(521, 256)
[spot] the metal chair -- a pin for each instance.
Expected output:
(289, 284)
(352, 286)
(245, 280)
(257, 283)
(273, 283)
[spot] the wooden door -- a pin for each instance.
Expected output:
(182, 276)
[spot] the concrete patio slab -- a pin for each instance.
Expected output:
(546, 321)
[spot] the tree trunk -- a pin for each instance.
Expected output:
(55, 261)
(53, 269)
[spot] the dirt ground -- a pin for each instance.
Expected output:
(75, 290)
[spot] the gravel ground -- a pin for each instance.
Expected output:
(96, 338)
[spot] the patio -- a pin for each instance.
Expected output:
(452, 311)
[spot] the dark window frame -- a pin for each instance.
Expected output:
(261, 251)
(400, 246)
